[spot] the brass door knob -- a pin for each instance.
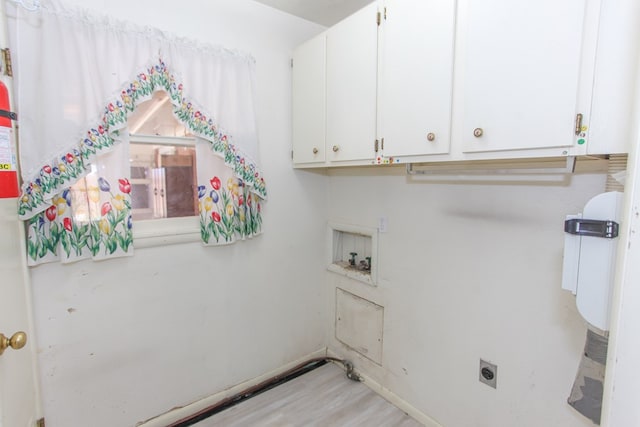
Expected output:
(477, 132)
(315, 150)
(335, 148)
(16, 342)
(431, 136)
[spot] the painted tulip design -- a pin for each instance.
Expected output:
(94, 194)
(125, 185)
(67, 224)
(118, 202)
(104, 184)
(66, 195)
(215, 183)
(208, 204)
(61, 205)
(51, 213)
(106, 208)
(104, 226)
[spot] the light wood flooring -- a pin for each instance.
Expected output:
(323, 397)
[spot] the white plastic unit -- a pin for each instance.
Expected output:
(589, 260)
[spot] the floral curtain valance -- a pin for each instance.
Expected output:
(64, 170)
(97, 71)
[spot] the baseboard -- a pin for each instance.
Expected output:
(178, 414)
(389, 396)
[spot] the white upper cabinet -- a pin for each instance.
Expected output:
(351, 87)
(611, 125)
(518, 73)
(309, 107)
(448, 80)
(416, 74)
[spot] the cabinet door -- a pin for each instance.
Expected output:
(416, 76)
(351, 86)
(519, 73)
(309, 107)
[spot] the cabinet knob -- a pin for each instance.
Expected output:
(315, 150)
(16, 342)
(335, 148)
(431, 136)
(477, 132)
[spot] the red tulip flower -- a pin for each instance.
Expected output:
(106, 208)
(215, 183)
(51, 213)
(125, 185)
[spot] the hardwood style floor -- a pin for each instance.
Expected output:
(323, 397)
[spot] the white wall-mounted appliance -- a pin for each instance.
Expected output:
(589, 256)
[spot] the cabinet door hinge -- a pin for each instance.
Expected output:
(6, 62)
(385, 13)
(40, 423)
(578, 123)
(382, 144)
(378, 19)
(375, 146)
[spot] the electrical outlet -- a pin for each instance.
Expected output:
(488, 373)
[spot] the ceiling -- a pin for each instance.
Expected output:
(323, 12)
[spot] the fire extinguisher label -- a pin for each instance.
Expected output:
(7, 158)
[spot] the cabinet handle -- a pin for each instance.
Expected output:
(477, 132)
(431, 136)
(315, 150)
(335, 148)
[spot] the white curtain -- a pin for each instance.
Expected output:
(78, 77)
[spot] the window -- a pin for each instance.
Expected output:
(163, 162)
(163, 177)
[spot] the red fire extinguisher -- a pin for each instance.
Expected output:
(8, 171)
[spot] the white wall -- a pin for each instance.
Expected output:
(470, 271)
(123, 340)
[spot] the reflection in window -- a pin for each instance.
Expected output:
(163, 178)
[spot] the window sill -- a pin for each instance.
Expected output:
(167, 231)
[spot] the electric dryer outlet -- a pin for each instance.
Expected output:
(488, 373)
